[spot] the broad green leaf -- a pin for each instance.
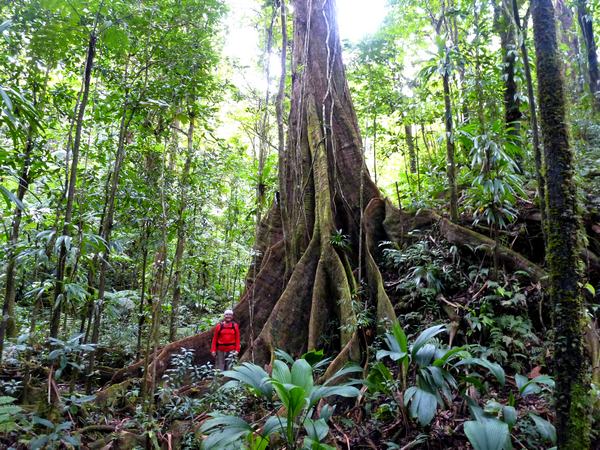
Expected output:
(424, 355)
(9, 197)
(274, 424)
(252, 376)
(352, 368)
(394, 356)
(285, 356)
(495, 369)
(281, 372)
(326, 391)
(400, 337)
(590, 289)
(296, 401)
(316, 429)
(302, 375)
(528, 387)
(378, 378)
(448, 354)
(545, 428)
(423, 404)
(41, 421)
(487, 434)
(510, 416)
(425, 337)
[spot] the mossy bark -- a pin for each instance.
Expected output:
(563, 245)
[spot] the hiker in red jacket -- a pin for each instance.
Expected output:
(226, 340)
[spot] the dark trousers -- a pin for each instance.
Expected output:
(223, 361)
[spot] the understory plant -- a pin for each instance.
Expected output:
(431, 365)
(492, 426)
(291, 395)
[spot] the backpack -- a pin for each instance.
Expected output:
(222, 325)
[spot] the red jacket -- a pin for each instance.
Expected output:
(226, 337)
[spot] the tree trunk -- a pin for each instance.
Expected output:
(537, 151)
(569, 38)
(512, 113)
(141, 314)
(7, 322)
(320, 193)
(66, 231)
(107, 226)
(410, 145)
(587, 31)
(563, 229)
(450, 165)
(181, 230)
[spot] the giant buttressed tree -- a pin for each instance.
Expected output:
(309, 257)
(316, 248)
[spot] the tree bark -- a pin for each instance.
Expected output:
(512, 113)
(587, 30)
(7, 322)
(563, 244)
(141, 315)
(66, 231)
(107, 226)
(410, 145)
(569, 38)
(181, 229)
(450, 149)
(537, 151)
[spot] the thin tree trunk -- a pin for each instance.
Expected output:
(512, 112)
(7, 322)
(537, 151)
(572, 401)
(108, 225)
(587, 31)
(374, 148)
(181, 230)
(410, 145)
(66, 232)
(450, 165)
(141, 315)
(569, 38)
(157, 293)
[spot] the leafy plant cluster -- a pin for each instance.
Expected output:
(428, 376)
(427, 268)
(290, 395)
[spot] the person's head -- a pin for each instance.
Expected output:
(228, 315)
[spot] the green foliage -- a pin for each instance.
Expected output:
(9, 414)
(495, 184)
(489, 434)
(291, 387)
(432, 364)
(429, 268)
(340, 240)
(67, 353)
(56, 436)
(493, 424)
(533, 386)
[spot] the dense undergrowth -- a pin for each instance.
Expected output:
(467, 364)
